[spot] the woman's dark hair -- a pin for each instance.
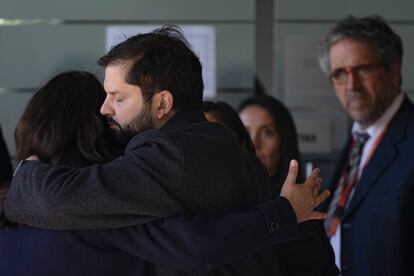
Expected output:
(286, 130)
(62, 124)
(226, 115)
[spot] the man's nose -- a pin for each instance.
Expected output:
(106, 108)
(353, 82)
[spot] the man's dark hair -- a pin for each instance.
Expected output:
(62, 122)
(162, 60)
(373, 30)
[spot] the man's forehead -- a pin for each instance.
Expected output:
(115, 74)
(350, 52)
(115, 80)
(116, 69)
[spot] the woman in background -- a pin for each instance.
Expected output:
(221, 112)
(273, 133)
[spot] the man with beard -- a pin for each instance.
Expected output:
(373, 181)
(175, 163)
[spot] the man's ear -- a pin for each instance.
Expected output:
(395, 71)
(163, 102)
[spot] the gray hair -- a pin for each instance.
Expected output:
(373, 30)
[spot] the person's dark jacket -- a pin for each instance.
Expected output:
(375, 228)
(178, 243)
(189, 166)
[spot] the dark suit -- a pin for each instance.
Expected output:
(372, 229)
(188, 166)
(187, 244)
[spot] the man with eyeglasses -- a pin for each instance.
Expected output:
(368, 212)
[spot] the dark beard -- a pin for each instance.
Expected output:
(141, 122)
(120, 139)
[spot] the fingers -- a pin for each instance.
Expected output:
(317, 187)
(315, 173)
(293, 172)
(313, 178)
(314, 181)
(317, 215)
(321, 198)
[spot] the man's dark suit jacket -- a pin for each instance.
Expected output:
(189, 166)
(373, 227)
(186, 244)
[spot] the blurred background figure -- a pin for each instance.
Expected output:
(372, 185)
(273, 133)
(221, 112)
(294, 258)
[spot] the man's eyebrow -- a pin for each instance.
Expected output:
(112, 92)
(353, 67)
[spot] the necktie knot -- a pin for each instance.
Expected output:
(361, 138)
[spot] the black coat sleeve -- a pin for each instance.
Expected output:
(132, 189)
(204, 242)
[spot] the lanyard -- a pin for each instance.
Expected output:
(347, 187)
(375, 145)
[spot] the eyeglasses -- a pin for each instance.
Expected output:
(362, 72)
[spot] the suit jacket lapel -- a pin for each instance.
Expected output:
(383, 156)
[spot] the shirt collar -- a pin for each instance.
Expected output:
(184, 118)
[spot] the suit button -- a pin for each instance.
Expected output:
(346, 225)
(274, 226)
